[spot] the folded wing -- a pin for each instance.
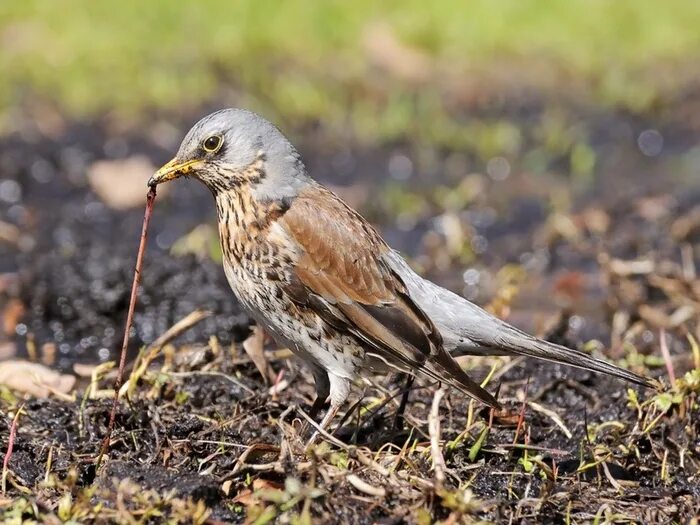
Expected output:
(342, 273)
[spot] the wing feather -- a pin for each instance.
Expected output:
(342, 272)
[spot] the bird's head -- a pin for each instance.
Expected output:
(233, 148)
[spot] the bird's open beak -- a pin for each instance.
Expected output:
(172, 170)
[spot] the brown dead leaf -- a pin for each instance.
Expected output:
(248, 497)
(245, 498)
(8, 350)
(254, 348)
(226, 486)
(655, 208)
(11, 315)
(34, 379)
(687, 225)
(9, 233)
(121, 184)
(596, 220)
(654, 316)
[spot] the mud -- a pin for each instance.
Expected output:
(184, 433)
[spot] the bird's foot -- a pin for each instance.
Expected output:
(321, 428)
(398, 418)
(316, 407)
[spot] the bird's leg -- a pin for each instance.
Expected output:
(317, 405)
(339, 391)
(325, 423)
(398, 418)
(323, 389)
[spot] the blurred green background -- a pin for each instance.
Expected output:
(368, 67)
(515, 109)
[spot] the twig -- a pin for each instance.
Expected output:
(374, 408)
(696, 350)
(667, 357)
(365, 487)
(227, 377)
(214, 442)
(521, 416)
(323, 432)
(155, 347)
(688, 262)
(610, 477)
(150, 200)
(241, 463)
(279, 385)
(352, 451)
(178, 328)
(552, 415)
(548, 450)
(434, 430)
(10, 446)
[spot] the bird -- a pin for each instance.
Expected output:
(320, 279)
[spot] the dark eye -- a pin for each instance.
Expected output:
(212, 144)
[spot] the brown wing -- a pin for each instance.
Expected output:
(342, 273)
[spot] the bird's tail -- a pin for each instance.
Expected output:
(469, 330)
(508, 340)
(449, 372)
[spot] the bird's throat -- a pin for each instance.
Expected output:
(244, 221)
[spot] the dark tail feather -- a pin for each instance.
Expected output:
(453, 375)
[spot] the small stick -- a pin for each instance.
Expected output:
(155, 347)
(667, 357)
(150, 199)
(521, 417)
(178, 328)
(439, 466)
(10, 446)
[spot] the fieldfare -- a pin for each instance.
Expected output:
(319, 278)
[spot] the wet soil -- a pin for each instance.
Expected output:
(181, 439)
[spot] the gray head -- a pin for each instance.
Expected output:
(236, 147)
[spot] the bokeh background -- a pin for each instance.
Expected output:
(478, 135)
(539, 157)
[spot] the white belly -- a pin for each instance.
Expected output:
(339, 355)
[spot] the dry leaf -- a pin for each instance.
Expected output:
(253, 346)
(34, 378)
(9, 233)
(248, 497)
(121, 184)
(7, 350)
(84, 370)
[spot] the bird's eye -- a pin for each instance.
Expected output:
(213, 143)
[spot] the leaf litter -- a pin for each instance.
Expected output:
(200, 437)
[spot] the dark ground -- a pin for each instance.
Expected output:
(552, 247)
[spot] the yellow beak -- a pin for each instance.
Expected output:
(172, 170)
